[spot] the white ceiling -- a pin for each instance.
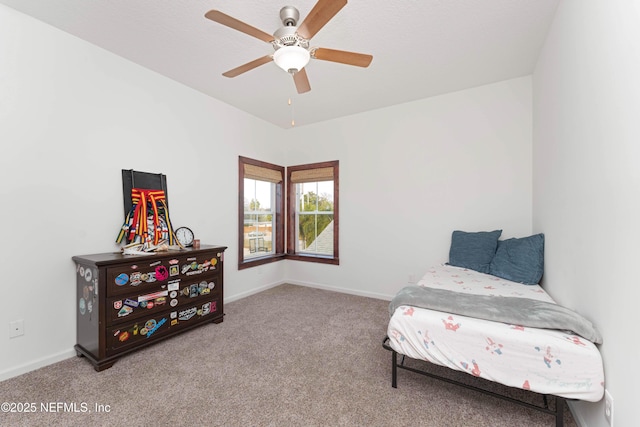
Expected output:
(420, 48)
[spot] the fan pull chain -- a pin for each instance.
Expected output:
(293, 120)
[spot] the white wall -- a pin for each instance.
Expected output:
(412, 173)
(586, 179)
(72, 116)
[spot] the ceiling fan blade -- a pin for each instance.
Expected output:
(342, 56)
(321, 13)
(302, 81)
(248, 66)
(221, 18)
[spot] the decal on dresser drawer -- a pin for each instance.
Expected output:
(125, 311)
(192, 267)
(198, 289)
(131, 303)
(153, 296)
(174, 270)
(122, 279)
(188, 314)
(160, 324)
(155, 327)
(174, 294)
(162, 273)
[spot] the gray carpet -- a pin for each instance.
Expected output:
(289, 356)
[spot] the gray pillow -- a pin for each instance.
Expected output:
(520, 260)
(473, 250)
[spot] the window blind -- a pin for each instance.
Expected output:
(312, 175)
(262, 174)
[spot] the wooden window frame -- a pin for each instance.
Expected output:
(286, 233)
(279, 213)
(291, 211)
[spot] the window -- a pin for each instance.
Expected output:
(261, 207)
(312, 203)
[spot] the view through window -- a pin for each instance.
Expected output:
(259, 218)
(314, 218)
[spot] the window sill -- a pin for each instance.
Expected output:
(313, 258)
(254, 262)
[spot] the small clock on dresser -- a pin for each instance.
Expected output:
(184, 236)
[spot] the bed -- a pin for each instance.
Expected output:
(454, 317)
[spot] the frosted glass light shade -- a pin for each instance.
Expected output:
(291, 58)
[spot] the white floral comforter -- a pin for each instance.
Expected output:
(541, 360)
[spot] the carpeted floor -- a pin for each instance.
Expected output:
(288, 356)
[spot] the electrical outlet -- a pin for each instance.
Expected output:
(608, 407)
(16, 328)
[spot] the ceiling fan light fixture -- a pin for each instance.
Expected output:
(291, 58)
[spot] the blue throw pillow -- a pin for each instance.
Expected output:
(520, 260)
(473, 250)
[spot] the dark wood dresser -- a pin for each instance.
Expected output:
(126, 302)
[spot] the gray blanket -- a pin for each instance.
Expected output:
(511, 310)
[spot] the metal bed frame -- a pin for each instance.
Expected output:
(558, 411)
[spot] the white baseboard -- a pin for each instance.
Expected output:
(342, 290)
(37, 364)
(251, 292)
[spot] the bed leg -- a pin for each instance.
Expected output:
(394, 369)
(559, 411)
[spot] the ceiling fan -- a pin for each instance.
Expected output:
(291, 42)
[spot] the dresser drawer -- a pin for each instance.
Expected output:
(151, 328)
(144, 275)
(173, 295)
